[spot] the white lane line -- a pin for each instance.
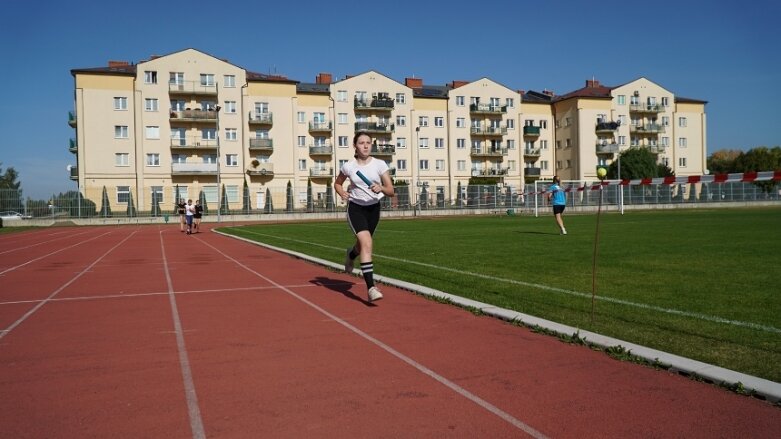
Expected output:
(453, 386)
(43, 242)
(52, 253)
(58, 290)
(645, 306)
(196, 422)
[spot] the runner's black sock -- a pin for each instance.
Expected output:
(367, 268)
(353, 253)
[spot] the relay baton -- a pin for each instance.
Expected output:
(363, 177)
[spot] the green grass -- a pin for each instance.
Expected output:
(704, 284)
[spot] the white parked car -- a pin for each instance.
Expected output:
(11, 215)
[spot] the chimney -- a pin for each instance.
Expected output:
(456, 84)
(118, 63)
(413, 82)
(592, 83)
(548, 92)
(323, 78)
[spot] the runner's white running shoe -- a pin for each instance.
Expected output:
(374, 294)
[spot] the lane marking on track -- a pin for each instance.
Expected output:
(65, 285)
(196, 422)
(645, 306)
(44, 242)
(52, 253)
(439, 378)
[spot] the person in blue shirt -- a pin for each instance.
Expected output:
(558, 199)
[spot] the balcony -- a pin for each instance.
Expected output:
(605, 147)
(193, 142)
(487, 109)
(74, 173)
(197, 115)
(320, 127)
(321, 150)
(375, 127)
(651, 128)
(194, 168)
(488, 131)
(383, 149)
(488, 152)
(532, 153)
(656, 149)
(382, 103)
(606, 127)
(191, 88)
(73, 146)
(261, 145)
(261, 169)
(646, 108)
(321, 172)
(490, 172)
(532, 172)
(72, 119)
(531, 131)
(260, 118)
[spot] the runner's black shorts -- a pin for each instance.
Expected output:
(363, 218)
(558, 208)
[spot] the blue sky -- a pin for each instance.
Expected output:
(725, 52)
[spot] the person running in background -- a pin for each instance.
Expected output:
(189, 212)
(558, 199)
(369, 183)
(197, 216)
(180, 208)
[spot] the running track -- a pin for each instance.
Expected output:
(144, 332)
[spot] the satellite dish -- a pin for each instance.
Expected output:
(68, 168)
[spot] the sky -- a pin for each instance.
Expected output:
(725, 52)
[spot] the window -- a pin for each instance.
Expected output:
(261, 107)
(423, 121)
(510, 124)
(150, 77)
(558, 164)
(665, 141)
(461, 165)
(439, 165)
(510, 103)
(232, 193)
(544, 165)
(569, 163)
(231, 133)
(558, 144)
(568, 143)
(301, 117)
(460, 101)
(401, 98)
(510, 165)
(423, 165)
(152, 132)
(178, 158)
(622, 119)
(474, 100)
(229, 81)
(120, 131)
(318, 117)
(209, 159)
(439, 121)
(342, 163)
(122, 159)
(343, 141)
(153, 159)
(511, 144)
(682, 162)
(543, 144)
(302, 164)
(621, 99)
(123, 194)
(423, 143)
(567, 121)
(665, 121)
(301, 140)
(151, 104)
(178, 105)
(682, 142)
(460, 143)
(401, 142)
(401, 121)
(341, 118)
(682, 122)
(341, 95)
(401, 165)
(157, 195)
(207, 79)
(231, 160)
(120, 103)
(529, 145)
(543, 123)
(176, 78)
(622, 140)
(460, 122)
(208, 105)
(208, 134)
(230, 107)
(665, 101)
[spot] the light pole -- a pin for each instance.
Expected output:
(414, 164)
(217, 134)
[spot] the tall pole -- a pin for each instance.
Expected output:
(414, 182)
(219, 196)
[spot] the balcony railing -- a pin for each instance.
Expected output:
(194, 168)
(321, 149)
(607, 127)
(488, 131)
(606, 147)
(263, 168)
(73, 146)
(72, 119)
(531, 172)
(490, 172)
(260, 118)
(487, 109)
(321, 172)
(656, 149)
(375, 127)
(532, 153)
(191, 88)
(531, 131)
(383, 149)
(193, 142)
(261, 144)
(374, 104)
(323, 126)
(196, 115)
(651, 128)
(646, 108)
(74, 172)
(489, 152)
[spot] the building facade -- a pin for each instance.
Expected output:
(194, 126)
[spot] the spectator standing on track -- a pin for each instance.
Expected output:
(197, 216)
(369, 183)
(180, 208)
(189, 211)
(558, 199)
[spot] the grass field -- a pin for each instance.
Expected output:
(704, 284)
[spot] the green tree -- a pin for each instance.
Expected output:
(722, 161)
(10, 190)
(760, 159)
(246, 207)
(105, 205)
(638, 163)
(224, 209)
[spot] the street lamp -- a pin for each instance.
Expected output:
(217, 134)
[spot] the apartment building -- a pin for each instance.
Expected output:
(191, 124)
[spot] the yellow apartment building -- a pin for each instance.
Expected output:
(191, 124)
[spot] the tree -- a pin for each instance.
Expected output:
(245, 208)
(10, 192)
(759, 159)
(329, 196)
(177, 197)
(131, 208)
(105, 205)
(289, 197)
(722, 161)
(224, 202)
(269, 208)
(310, 204)
(638, 163)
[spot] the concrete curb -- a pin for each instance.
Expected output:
(769, 390)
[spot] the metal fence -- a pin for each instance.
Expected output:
(581, 195)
